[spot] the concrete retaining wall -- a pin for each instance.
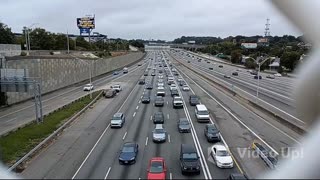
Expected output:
(10, 49)
(58, 73)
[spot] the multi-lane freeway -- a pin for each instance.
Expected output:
(90, 148)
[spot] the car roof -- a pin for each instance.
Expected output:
(158, 113)
(211, 126)
(193, 96)
(201, 107)
(117, 114)
(188, 148)
(183, 119)
(157, 159)
(128, 144)
(159, 126)
(220, 147)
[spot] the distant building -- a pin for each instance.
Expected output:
(249, 45)
(303, 45)
(263, 41)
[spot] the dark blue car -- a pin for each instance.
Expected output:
(128, 153)
(115, 73)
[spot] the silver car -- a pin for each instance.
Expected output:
(159, 134)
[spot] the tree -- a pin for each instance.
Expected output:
(6, 35)
(40, 39)
(290, 59)
(250, 64)
(236, 56)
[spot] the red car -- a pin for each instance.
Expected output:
(157, 168)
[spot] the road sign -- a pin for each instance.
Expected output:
(84, 31)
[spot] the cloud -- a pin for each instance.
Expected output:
(157, 19)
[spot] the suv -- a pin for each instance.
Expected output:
(177, 102)
(159, 134)
(193, 100)
(118, 120)
(158, 118)
(109, 93)
(145, 98)
(189, 159)
(116, 87)
(184, 125)
(174, 92)
(159, 101)
(142, 81)
(161, 93)
(212, 133)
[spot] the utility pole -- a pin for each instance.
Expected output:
(26, 36)
(68, 42)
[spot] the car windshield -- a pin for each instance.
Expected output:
(190, 156)
(212, 130)
(158, 115)
(156, 167)
(159, 131)
(184, 122)
(203, 112)
(116, 118)
(222, 153)
(127, 149)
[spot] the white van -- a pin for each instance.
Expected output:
(202, 113)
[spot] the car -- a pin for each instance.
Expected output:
(161, 93)
(235, 74)
(160, 88)
(160, 84)
(199, 60)
(211, 68)
(160, 76)
(157, 169)
(160, 80)
(115, 73)
(277, 75)
(189, 159)
(173, 86)
(184, 125)
(193, 100)
(141, 81)
(125, 70)
(227, 76)
(238, 70)
(174, 92)
(146, 73)
(182, 83)
(153, 74)
(159, 134)
(188, 61)
(176, 73)
(221, 156)
(220, 66)
(109, 93)
(145, 98)
(158, 118)
(139, 64)
(237, 176)
(165, 65)
(88, 87)
(256, 77)
(202, 113)
(212, 133)
(179, 80)
(185, 88)
(116, 87)
(254, 72)
(149, 86)
(128, 153)
(270, 76)
(159, 101)
(208, 62)
(118, 119)
(177, 102)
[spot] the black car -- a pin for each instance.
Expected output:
(159, 101)
(212, 133)
(181, 83)
(220, 66)
(184, 125)
(158, 118)
(174, 92)
(193, 100)
(128, 153)
(141, 81)
(153, 74)
(211, 68)
(254, 72)
(188, 61)
(235, 74)
(115, 73)
(189, 159)
(256, 77)
(145, 74)
(145, 98)
(109, 93)
(237, 176)
(149, 86)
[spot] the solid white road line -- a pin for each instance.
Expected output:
(169, 139)
(170, 176)
(146, 141)
(150, 118)
(168, 117)
(105, 177)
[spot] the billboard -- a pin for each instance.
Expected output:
(263, 40)
(249, 45)
(86, 23)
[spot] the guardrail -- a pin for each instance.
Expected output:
(280, 115)
(51, 136)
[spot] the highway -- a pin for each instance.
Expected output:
(89, 148)
(15, 116)
(277, 92)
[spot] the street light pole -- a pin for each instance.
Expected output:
(90, 74)
(68, 42)
(258, 81)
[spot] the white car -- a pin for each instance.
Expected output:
(160, 76)
(160, 80)
(160, 88)
(277, 75)
(221, 156)
(88, 87)
(160, 84)
(185, 88)
(116, 87)
(173, 86)
(180, 80)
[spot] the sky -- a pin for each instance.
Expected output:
(149, 19)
